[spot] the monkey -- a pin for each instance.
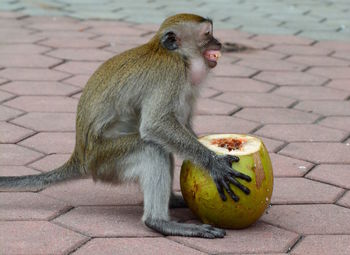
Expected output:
(135, 112)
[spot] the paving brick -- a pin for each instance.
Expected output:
(12, 154)
(39, 88)
(64, 34)
(118, 31)
(37, 237)
(312, 93)
(302, 191)
(87, 192)
(266, 239)
(232, 70)
(30, 60)
(78, 80)
(290, 78)
(333, 45)
(21, 38)
(318, 152)
(58, 25)
(79, 67)
(22, 49)
(345, 200)
(119, 48)
(32, 74)
(301, 133)
(7, 113)
(254, 99)
(283, 39)
(333, 174)
(107, 221)
(2, 81)
(51, 142)
(300, 50)
(10, 133)
(340, 84)
(208, 92)
(325, 107)
(319, 244)
(259, 54)
(72, 43)
(317, 61)
(231, 35)
(271, 144)
(209, 106)
(5, 96)
(41, 121)
(238, 85)
(310, 219)
(276, 115)
(206, 124)
(271, 65)
(81, 54)
(44, 104)
(131, 41)
(16, 171)
(288, 167)
(332, 73)
(126, 246)
(342, 55)
(336, 122)
(29, 206)
(50, 162)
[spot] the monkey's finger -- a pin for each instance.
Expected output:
(229, 191)
(221, 191)
(240, 175)
(231, 159)
(238, 185)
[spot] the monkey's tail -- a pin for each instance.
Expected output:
(68, 171)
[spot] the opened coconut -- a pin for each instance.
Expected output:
(200, 192)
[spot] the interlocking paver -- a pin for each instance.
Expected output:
(207, 106)
(310, 219)
(30, 60)
(333, 45)
(231, 70)
(37, 237)
(290, 78)
(10, 133)
(300, 50)
(208, 92)
(345, 200)
(312, 93)
(317, 61)
(271, 65)
(336, 122)
(284, 39)
(332, 73)
(238, 85)
(79, 80)
(333, 174)
(302, 191)
(126, 246)
(11, 154)
(22, 49)
(319, 244)
(325, 107)
(259, 55)
(16, 171)
(343, 84)
(288, 167)
(72, 43)
(78, 67)
(81, 54)
(7, 113)
(5, 96)
(32, 74)
(50, 162)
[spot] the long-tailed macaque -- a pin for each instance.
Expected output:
(135, 111)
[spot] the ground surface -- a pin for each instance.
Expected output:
(293, 91)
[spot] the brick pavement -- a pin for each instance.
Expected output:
(291, 91)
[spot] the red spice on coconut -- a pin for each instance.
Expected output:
(229, 143)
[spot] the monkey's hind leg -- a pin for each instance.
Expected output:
(153, 166)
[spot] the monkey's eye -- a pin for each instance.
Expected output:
(207, 33)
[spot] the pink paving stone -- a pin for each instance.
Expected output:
(50, 162)
(312, 93)
(290, 78)
(118, 31)
(11, 154)
(78, 80)
(16, 171)
(288, 167)
(7, 113)
(131, 41)
(44, 104)
(238, 85)
(209, 106)
(336, 122)
(276, 115)
(317, 61)
(254, 44)
(29, 206)
(42, 121)
(300, 50)
(321, 244)
(58, 25)
(21, 38)
(32, 74)
(318, 152)
(310, 219)
(302, 133)
(107, 221)
(10, 133)
(11, 15)
(271, 65)
(259, 54)
(126, 246)
(207, 92)
(231, 35)
(5, 96)
(302, 191)
(271, 144)
(22, 49)
(232, 70)
(39, 88)
(283, 39)
(332, 73)
(325, 107)
(79, 67)
(29, 60)
(81, 54)
(3, 80)
(77, 96)
(267, 239)
(37, 237)
(86, 192)
(221, 124)
(64, 34)
(118, 48)
(342, 55)
(51, 142)
(333, 45)
(340, 84)
(333, 174)
(345, 200)
(250, 99)
(72, 43)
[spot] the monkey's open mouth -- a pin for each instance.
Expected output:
(212, 57)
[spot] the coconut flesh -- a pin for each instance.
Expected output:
(200, 192)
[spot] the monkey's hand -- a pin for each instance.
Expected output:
(220, 169)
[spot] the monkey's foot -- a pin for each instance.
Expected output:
(172, 228)
(177, 201)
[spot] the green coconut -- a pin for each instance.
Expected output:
(202, 197)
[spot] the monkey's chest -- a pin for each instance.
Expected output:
(198, 71)
(184, 108)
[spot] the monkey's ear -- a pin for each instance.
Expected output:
(169, 41)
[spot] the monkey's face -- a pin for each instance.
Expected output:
(209, 46)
